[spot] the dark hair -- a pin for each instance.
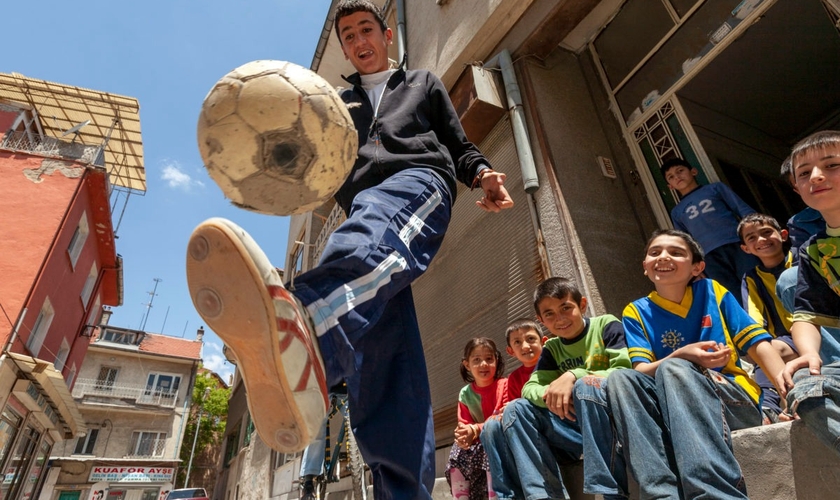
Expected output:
(521, 324)
(787, 169)
(817, 140)
(481, 342)
(673, 162)
(760, 219)
(693, 246)
(558, 288)
(347, 7)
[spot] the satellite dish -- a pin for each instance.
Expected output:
(75, 129)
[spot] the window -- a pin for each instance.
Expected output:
(106, 378)
(86, 444)
(232, 443)
(121, 337)
(74, 249)
(161, 389)
(249, 429)
(40, 328)
(147, 444)
(61, 357)
(71, 377)
(90, 282)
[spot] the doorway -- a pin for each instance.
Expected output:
(777, 83)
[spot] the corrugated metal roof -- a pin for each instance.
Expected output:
(62, 107)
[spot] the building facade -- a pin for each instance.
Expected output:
(59, 265)
(134, 392)
(579, 102)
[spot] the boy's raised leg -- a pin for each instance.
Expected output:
(240, 295)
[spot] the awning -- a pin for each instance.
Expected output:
(54, 388)
(62, 107)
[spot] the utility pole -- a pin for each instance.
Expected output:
(195, 438)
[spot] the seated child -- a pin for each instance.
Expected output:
(710, 214)
(762, 237)
(563, 409)
(801, 227)
(485, 394)
(525, 343)
(815, 375)
(674, 412)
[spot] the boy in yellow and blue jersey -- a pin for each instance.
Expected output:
(763, 237)
(675, 410)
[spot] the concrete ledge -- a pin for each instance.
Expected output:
(786, 461)
(779, 462)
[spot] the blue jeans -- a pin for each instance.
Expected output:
(817, 400)
(525, 457)
(360, 300)
(525, 450)
(675, 430)
(312, 461)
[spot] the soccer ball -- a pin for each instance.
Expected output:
(276, 138)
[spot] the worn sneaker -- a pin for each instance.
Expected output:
(241, 296)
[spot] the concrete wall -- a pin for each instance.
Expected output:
(593, 223)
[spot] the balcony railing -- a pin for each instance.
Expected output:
(30, 142)
(139, 394)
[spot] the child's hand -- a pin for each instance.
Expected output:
(784, 381)
(558, 397)
(708, 354)
(465, 435)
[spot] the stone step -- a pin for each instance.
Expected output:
(782, 461)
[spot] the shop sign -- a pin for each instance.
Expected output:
(131, 474)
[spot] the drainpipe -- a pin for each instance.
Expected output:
(401, 37)
(530, 180)
(517, 118)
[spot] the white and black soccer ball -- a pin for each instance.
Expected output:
(276, 138)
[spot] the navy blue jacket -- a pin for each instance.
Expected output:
(417, 127)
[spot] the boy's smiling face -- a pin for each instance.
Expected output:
(668, 262)
(563, 317)
(764, 241)
(816, 177)
(364, 43)
(525, 345)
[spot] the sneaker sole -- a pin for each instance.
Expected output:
(230, 295)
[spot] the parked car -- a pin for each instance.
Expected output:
(187, 494)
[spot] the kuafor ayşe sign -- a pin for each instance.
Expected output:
(130, 474)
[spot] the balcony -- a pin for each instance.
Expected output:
(104, 392)
(34, 143)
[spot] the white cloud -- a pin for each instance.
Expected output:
(215, 361)
(177, 178)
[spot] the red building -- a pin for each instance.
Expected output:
(69, 160)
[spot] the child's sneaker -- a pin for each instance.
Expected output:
(241, 297)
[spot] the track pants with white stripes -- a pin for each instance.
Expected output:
(359, 298)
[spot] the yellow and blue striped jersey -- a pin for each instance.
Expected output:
(758, 294)
(656, 327)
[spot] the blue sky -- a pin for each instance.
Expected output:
(167, 54)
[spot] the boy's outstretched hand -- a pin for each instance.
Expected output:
(559, 397)
(496, 198)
